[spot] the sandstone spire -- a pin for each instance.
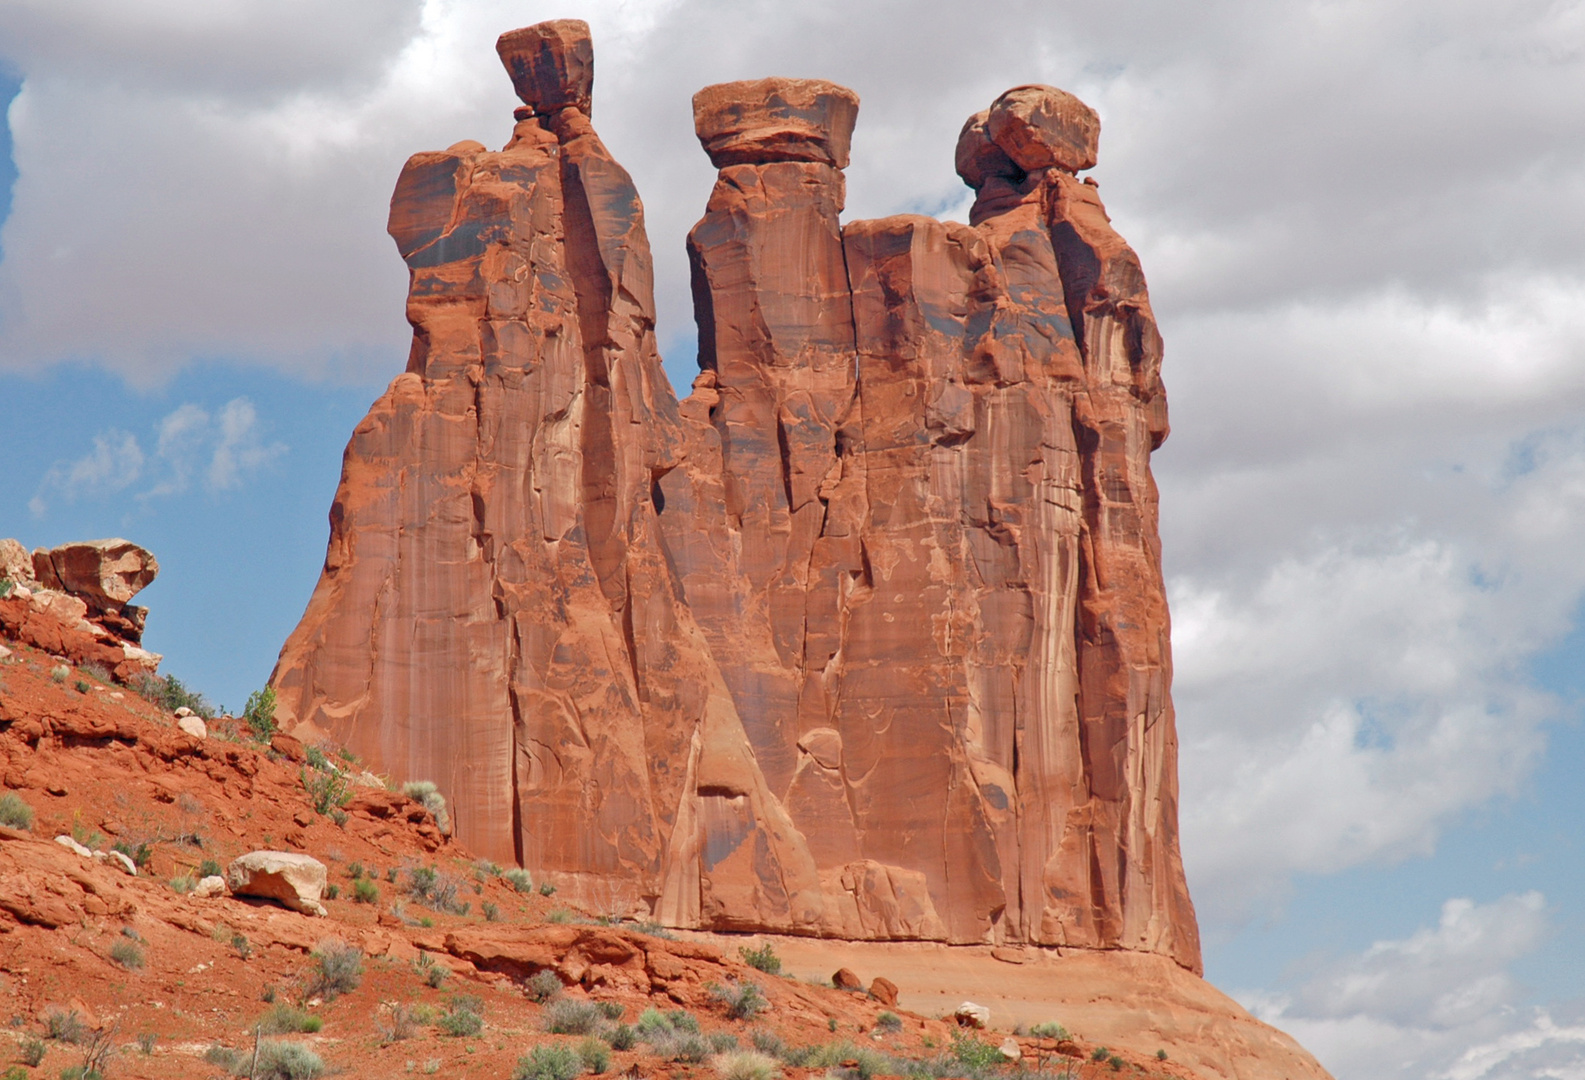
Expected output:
(867, 636)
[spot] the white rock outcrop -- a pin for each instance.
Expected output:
(292, 880)
(971, 1015)
(214, 885)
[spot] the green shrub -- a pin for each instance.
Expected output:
(427, 793)
(552, 1061)
(621, 1036)
(651, 1021)
(596, 1055)
(1161, 1055)
(6, 585)
(338, 968)
(285, 1020)
(208, 868)
(742, 1000)
(490, 911)
(259, 713)
(279, 1060)
(225, 1057)
(763, 958)
(365, 891)
(518, 878)
(1116, 1062)
(889, 1022)
(332, 891)
(32, 1051)
(673, 1035)
(721, 1041)
(434, 888)
(1100, 1053)
(168, 693)
(14, 812)
(565, 1016)
(685, 1047)
(559, 916)
(59, 673)
(974, 1053)
(182, 884)
(462, 1016)
(547, 889)
(239, 944)
(146, 1041)
(746, 1065)
(141, 854)
(81, 686)
(543, 986)
(127, 955)
(327, 791)
(768, 1042)
(1050, 1030)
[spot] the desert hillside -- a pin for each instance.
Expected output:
(427, 960)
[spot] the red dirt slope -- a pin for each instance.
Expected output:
(109, 767)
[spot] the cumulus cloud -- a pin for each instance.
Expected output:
(1259, 154)
(1441, 1003)
(114, 464)
(220, 451)
(1344, 689)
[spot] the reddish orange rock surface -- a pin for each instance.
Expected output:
(867, 637)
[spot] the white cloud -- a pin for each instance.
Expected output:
(1440, 1003)
(238, 449)
(188, 442)
(1259, 154)
(1344, 691)
(114, 464)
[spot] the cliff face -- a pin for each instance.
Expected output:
(864, 638)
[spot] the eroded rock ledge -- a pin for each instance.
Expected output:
(864, 638)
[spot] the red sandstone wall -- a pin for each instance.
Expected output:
(866, 637)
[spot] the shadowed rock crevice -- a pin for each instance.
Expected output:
(864, 638)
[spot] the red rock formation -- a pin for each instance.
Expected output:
(72, 601)
(866, 637)
(495, 612)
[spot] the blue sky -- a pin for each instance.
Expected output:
(1365, 239)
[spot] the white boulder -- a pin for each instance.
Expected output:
(72, 845)
(971, 1015)
(290, 879)
(214, 885)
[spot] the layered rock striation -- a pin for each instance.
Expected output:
(864, 638)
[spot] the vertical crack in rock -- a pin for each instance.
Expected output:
(867, 636)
